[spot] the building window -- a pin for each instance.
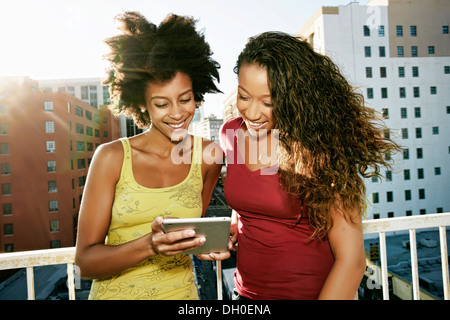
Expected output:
(404, 133)
(52, 186)
(418, 133)
(421, 193)
(367, 52)
(407, 195)
(51, 166)
(369, 93)
(79, 111)
(433, 90)
(399, 30)
(413, 31)
(6, 189)
(405, 154)
(415, 72)
(414, 51)
(402, 92)
(417, 112)
(79, 128)
(390, 196)
(55, 244)
(388, 175)
(8, 229)
(368, 72)
(4, 128)
(430, 49)
(53, 205)
(420, 173)
(5, 168)
(435, 130)
(7, 209)
(408, 212)
(385, 112)
(80, 146)
(49, 127)
(366, 31)
(401, 72)
(50, 146)
(383, 73)
(403, 113)
(419, 152)
(81, 181)
(416, 92)
(4, 149)
(437, 171)
(400, 52)
(382, 51)
(406, 174)
(81, 163)
(444, 29)
(447, 69)
(375, 197)
(54, 226)
(384, 93)
(48, 106)
(381, 31)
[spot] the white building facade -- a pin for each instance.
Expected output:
(397, 54)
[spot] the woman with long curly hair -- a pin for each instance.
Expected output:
(299, 215)
(158, 75)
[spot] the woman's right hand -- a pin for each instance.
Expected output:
(175, 242)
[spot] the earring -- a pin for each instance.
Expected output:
(143, 110)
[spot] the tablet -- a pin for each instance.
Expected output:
(216, 231)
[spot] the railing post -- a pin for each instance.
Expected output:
(70, 281)
(219, 279)
(384, 269)
(444, 261)
(414, 265)
(30, 283)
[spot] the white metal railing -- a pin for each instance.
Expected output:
(30, 259)
(411, 223)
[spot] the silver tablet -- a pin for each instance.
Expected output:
(216, 230)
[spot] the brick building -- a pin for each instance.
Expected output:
(47, 140)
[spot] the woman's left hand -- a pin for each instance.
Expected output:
(217, 256)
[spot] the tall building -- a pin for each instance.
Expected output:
(397, 53)
(93, 92)
(207, 128)
(47, 140)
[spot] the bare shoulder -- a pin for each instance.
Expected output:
(108, 156)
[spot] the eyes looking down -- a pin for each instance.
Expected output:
(254, 100)
(171, 104)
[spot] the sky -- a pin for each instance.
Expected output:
(64, 39)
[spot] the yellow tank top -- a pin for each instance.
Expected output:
(134, 209)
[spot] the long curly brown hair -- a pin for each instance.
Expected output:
(329, 140)
(145, 52)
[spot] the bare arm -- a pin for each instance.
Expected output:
(347, 244)
(95, 259)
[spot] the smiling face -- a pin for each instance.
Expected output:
(254, 100)
(171, 106)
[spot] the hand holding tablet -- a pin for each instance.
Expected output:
(215, 231)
